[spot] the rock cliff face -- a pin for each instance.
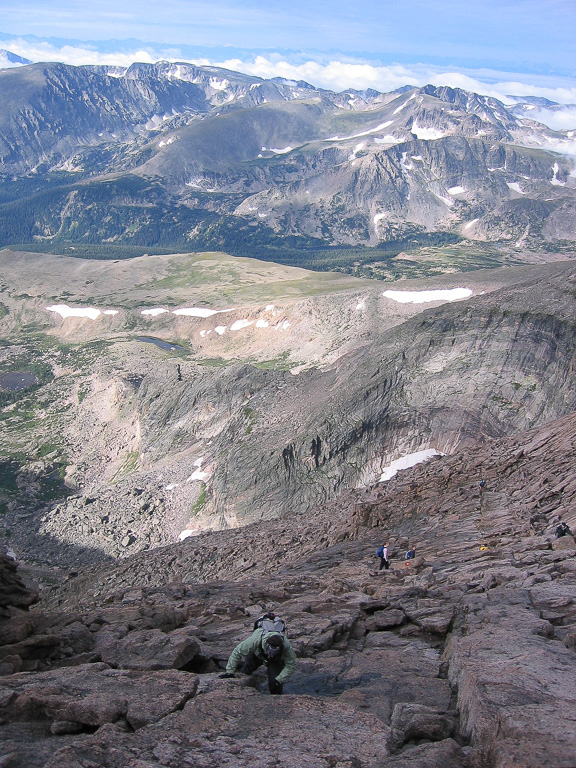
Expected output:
(464, 658)
(273, 443)
(154, 449)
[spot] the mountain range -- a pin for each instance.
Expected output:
(176, 156)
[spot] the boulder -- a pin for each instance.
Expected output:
(94, 694)
(414, 722)
(251, 730)
(148, 649)
(386, 619)
(446, 754)
(564, 543)
(13, 591)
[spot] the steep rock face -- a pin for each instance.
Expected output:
(436, 184)
(229, 446)
(55, 108)
(53, 111)
(464, 658)
(446, 379)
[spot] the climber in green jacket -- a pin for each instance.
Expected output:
(262, 647)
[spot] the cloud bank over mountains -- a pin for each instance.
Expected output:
(335, 74)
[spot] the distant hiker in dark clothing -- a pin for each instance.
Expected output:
(264, 647)
(482, 483)
(383, 555)
(563, 530)
(410, 555)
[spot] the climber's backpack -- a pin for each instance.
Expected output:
(269, 622)
(380, 552)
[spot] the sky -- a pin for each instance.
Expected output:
(524, 47)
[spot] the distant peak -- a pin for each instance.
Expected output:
(9, 59)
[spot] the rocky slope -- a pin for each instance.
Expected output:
(463, 659)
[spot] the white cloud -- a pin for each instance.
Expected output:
(340, 75)
(336, 75)
(75, 55)
(559, 120)
(503, 89)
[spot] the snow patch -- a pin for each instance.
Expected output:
(388, 139)
(239, 324)
(153, 312)
(515, 187)
(281, 151)
(219, 85)
(555, 180)
(470, 223)
(405, 462)
(356, 149)
(456, 190)
(423, 297)
(110, 312)
(65, 311)
(446, 200)
(167, 142)
(426, 134)
(401, 107)
(153, 123)
(378, 128)
(403, 162)
(198, 311)
(262, 323)
(198, 473)
(220, 329)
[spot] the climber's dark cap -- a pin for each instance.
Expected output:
(274, 645)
